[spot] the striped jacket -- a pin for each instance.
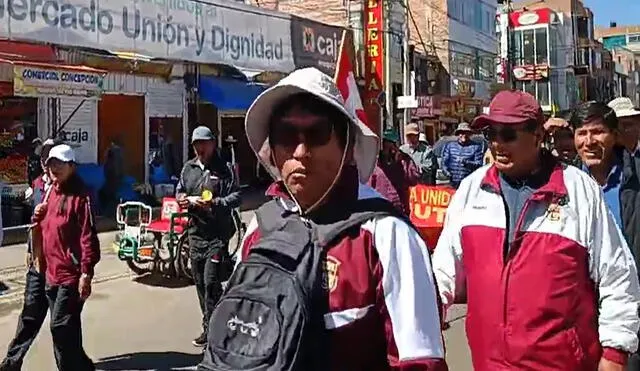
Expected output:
(564, 294)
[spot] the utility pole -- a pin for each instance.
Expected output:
(510, 56)
(408, 79)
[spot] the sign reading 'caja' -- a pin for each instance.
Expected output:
(34, 81)
(315, 44)
(224, 33)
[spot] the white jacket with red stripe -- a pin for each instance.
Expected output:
(566, 291)
(384, 311)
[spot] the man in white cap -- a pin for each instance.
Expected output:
(626, 201)
(375, 306)
(628, 123)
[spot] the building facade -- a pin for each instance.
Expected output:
(624, 44)
(548, 49)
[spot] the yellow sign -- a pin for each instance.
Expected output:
(37, 81)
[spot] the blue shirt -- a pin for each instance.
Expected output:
(611, 190)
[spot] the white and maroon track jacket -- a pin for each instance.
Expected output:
(565, 294)
(383, 306)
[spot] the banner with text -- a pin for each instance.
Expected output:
(315, 44)
(35, 81)
(212, 32)
(428, 208)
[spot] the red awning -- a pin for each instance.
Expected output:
(26, 52)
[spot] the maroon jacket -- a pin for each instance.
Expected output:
(392, 180)
(383, 307)
(71, 245)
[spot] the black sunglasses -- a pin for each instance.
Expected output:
(506, 134)
(288, 135)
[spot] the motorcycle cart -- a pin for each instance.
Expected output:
(153, 246)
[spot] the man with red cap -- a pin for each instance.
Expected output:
(550, 282)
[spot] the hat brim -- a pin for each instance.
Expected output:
(627, 113)
(65, 160)
(412, 132)
(257, 129)
(487, 120)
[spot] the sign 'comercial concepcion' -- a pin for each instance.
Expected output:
(216, 31)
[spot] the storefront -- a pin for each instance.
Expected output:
(426, 115)
(33, 106)
(231, 99)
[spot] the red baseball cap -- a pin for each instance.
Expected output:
(511, 107)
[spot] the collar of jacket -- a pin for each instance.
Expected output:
(344, 192)
(548, 181)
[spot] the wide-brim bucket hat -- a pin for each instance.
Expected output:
(312, 81)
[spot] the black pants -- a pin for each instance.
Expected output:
(208, 274)
(66, 330)
(34, 311)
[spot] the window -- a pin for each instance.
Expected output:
(539, 89)
(541, 46)
(462, 64)
(528, 46)
(487, 67)
(634, 38)
(531, 47)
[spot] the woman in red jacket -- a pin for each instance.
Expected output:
(71, 251)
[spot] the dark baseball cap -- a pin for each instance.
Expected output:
(511, 108)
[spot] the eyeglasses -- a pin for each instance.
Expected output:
(506, 134)
(288, 135)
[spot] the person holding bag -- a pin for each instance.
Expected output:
(71, 250)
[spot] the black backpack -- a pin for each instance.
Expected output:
(271, 316)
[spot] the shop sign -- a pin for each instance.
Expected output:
(315, 44)
(531, 72)
(214, 31)
(425, 107)
(429, 205)
(374, 60)
(36, 81)
(531, 17)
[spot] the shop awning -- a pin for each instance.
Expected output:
(20, 51)
(229, 94)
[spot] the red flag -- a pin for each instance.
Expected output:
(346, 82)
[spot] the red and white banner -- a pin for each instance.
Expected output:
(531, 17)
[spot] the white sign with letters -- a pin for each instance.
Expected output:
(211, 32)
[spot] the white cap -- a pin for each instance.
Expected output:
(63, 153)
(312, 81)
(623, 107)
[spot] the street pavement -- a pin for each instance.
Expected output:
(144, 323)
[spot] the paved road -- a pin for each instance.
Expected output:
(131, 325)
(145, 324)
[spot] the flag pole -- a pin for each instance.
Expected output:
(342, 46)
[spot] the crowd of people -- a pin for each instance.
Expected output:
(541, 238)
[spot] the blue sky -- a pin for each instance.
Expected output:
(625, 12)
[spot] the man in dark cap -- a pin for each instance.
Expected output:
(549, 279)
(208, 190)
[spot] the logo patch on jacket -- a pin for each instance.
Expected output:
(330, 274)
(553, 212)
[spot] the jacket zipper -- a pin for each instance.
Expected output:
(507, 267)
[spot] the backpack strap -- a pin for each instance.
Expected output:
(361, 212)
(289, 233)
